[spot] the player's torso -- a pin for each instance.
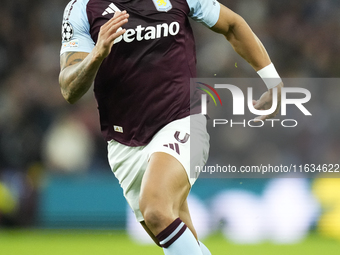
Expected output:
(144, 83)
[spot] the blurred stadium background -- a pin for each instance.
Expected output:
(54, 174)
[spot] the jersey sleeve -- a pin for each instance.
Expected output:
(75, 31)
(204, 11)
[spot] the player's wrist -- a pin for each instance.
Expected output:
(270, 76)
(98, 54)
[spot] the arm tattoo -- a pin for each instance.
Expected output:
(77, 80)
(69, 58)
(75, 61)
(68, 55)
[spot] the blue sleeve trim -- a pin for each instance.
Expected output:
(76, 28)
(204, 11)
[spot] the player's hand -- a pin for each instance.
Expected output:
(265, 102)
(109, 32)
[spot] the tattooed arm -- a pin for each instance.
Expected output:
(74, 79)
(78, 69)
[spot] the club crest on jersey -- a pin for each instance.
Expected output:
(162, 5)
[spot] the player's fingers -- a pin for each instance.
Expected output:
(119, 16)
(254, 102)
(106, 31)
(262, 117)
(257, 119)
(114, 28)
(117, 34)
(259, 104)
(117, 19)
(270, 116)
(109, 35)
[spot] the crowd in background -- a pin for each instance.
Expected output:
(40, 131)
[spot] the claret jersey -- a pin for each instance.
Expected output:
(144, 83)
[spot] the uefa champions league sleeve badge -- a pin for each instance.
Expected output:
(66, 31)
(162, 5)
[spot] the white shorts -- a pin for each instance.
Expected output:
(129, 163)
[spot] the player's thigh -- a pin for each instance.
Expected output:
(165, 185)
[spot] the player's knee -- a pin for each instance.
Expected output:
(157, 219)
